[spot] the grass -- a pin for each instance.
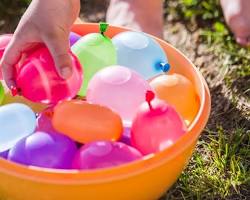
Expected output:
(220, 166)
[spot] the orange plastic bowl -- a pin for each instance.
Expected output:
(145, 179)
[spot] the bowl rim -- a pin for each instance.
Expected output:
(149, 162)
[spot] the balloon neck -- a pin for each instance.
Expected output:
(15, 91)
(149, 97)
(49, 113)
(165, 67)
(82, 98)
(103, 27)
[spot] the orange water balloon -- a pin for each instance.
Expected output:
(85, 122)
(179, 92)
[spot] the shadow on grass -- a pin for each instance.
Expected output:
(242, 86)
(225, 112)
(220, 166)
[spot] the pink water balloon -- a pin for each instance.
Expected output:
(44, 121)
(103, 154)
(118, 88)
(156, 126)
(39, 81)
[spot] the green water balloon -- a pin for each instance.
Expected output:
(94, 51)
(1, 93)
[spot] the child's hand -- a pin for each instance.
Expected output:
(45, 21)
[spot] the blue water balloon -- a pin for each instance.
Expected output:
(16, 122)
(140, 52)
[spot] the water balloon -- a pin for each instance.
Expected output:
(1, 93)
(44, 150)
(141, 53)
(85, 122)
(73, 38)
(16, 121)
(39, 81)
(118, 88)
(156, 126)
(44, 121)
(178, 91)
(103, 154)
(95, 51)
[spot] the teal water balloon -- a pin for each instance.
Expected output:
(141, 53)
(16, 122)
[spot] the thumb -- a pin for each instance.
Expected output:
(58, 46)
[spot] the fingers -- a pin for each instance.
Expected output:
(59, 48)
(10, 57)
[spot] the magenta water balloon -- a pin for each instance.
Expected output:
(38, 80)
(126, 135)
(156, 126)
(73, 38)
(104, 154)
(44, 150)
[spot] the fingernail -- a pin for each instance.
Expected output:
(66, 72)
(241, 41)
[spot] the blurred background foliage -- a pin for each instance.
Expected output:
(10, 13)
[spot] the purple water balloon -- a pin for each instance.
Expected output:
(4, 154)
(44, 150)
(73, 38)
(126, 135)
(104, 154)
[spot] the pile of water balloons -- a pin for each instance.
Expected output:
(118, 106)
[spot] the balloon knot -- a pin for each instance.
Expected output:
(49, 113)
(103, 27)
(149, 97)
(14, 91)
(165, 67)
